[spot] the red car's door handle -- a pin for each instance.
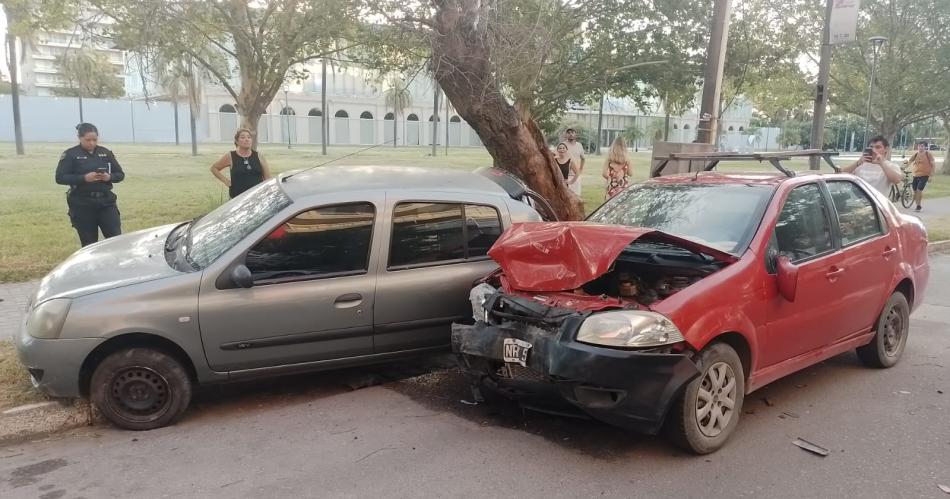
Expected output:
(888, 252)
(834, 272)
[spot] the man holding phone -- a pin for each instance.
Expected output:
(90, 170)
(874, 168)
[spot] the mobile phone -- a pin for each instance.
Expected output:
(868, 152)
(102, 169)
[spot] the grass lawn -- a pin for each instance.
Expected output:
(165, 184)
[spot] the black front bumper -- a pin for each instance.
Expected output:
(630, 389)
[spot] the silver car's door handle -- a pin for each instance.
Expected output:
(348, 300)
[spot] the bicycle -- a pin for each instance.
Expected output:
(904, 193)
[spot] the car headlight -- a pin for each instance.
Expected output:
(478, 296)
(46, 321)
(629, 329)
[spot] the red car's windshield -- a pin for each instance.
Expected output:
(722, 216)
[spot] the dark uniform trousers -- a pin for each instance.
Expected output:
(91, 211)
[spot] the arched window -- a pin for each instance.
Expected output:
(732, 129)
(389, 116)
(676, 127)
(287, 110)
(341, 114)
(741, 128)
(455, 119)
(366, 115)
(685, 127)
(412, 117)
(227, 108)
(434, 118)
(315, 112)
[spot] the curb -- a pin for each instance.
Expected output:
(42, 420)
(938, 247)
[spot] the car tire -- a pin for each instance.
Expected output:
(140, 389)
(890, 335)
(696, 419)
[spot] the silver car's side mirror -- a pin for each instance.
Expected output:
(241, 276)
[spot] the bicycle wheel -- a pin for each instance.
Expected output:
(907, 197)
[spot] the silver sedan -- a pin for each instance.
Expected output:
(332, 267)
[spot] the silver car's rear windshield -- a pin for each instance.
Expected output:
(220, 230)
(721, 216)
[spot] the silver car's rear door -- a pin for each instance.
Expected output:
(435, 249)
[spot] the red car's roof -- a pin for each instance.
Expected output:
(719, 177)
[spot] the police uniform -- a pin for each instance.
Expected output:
(91, 204)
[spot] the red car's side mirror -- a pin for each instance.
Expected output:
(787, 277)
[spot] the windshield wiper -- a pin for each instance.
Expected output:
(174, 237)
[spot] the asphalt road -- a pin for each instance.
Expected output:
(313, 436)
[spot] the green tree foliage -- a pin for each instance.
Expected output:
(913, 74)
(88, 73)
(250, 48)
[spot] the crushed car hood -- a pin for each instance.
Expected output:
(560, 256)
(112, 263)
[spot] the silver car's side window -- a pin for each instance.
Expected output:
(326, 241)
(857, 215)
(427, 233)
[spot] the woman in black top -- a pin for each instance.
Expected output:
(90, 170)
(566, 163)
(248, 168)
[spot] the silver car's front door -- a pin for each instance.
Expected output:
(432, 259)
(312, 298)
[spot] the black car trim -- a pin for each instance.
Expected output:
(396, 327)
(299, 338)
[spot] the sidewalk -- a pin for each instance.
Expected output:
(15, 297)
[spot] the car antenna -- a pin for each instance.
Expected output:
(284, 179)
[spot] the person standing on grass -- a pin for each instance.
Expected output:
(90, 170)
(616, 168)
(576, 149)
(566, 163)
(248, 167)
(874, 168)
(922, 164)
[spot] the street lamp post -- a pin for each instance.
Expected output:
(876, 42)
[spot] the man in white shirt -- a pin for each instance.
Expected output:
(874, 168)
(576, 150)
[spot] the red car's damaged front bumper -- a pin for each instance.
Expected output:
(629, 389)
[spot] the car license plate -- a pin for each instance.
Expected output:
(516, 351)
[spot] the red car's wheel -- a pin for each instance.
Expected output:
(708, 411)
(891, 334)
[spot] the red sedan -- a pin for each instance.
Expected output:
(683, 294)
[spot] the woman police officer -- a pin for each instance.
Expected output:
(90, 170)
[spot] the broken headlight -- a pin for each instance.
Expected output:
(629, 329)
(478, 296)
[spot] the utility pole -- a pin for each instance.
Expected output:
(712, 81)
(446, 128)
(435, 117)
(821, 90)
(15, 91)
(324, 133)
(600, 124)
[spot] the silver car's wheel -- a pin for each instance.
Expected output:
(140, 389)
(716, 399)
(707, 411)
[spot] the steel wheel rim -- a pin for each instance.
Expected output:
(139, 394)
(716, 399)
(893, 332)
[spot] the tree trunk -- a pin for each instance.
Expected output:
(461, 63)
